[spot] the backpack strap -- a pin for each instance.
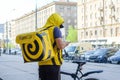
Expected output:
(45, 28)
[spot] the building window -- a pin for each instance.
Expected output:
(82, 25)
(61, 8)
(90, 24)
(95, 15)
(118, 1)
(82, 34)
(83, 1)
(86, 33)
(95, 23)
(51, 9)
(91, 16)
(95, 6)
(86, 17)
(74, 8)
(96, 32)
(82, 18)
(82, 10)
(75, 21)
(91, 33)
(90, 7)
(101, 32)
(68, 8)
(117, 31)
(111, 32)
(68, 21)
(86, 24)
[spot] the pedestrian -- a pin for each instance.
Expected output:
(50, 69)
(0, 51)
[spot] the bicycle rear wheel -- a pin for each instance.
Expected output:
(91, 79)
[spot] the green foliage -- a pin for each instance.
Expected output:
(72, 34)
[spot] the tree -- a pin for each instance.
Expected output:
(72, 34)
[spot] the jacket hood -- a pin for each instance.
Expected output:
(54, 20)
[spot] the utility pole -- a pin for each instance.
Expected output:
(103, 19)
(84, 19)
(36, 16)
(112, 7)
(7, 36)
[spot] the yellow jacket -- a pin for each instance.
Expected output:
(55, 20)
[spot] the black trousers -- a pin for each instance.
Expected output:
(49, 72)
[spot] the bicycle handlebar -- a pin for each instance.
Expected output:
(91, 72)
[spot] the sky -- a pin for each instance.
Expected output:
(11, 9)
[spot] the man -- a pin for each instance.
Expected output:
(50, 69)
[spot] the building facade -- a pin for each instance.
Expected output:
(1, 35)
(29, 22)
(7, 35)
(99, 22)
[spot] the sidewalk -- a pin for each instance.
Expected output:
(12, 67)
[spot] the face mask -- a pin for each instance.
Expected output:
(61, 26)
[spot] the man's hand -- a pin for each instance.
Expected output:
(61, 44)
(67, 43)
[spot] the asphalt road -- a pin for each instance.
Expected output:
(12, 67)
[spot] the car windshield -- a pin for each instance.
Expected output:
(100, 51)
(70, 48)
(89, 52)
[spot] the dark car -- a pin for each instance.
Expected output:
(115, 58)
(101, 55)
(86, 55)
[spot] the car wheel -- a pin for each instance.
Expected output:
(105, 60)
(110, 62)
(91, 79)
(118, 62)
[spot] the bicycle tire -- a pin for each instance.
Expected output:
(91, 79)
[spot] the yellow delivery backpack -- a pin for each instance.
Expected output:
(36, 46)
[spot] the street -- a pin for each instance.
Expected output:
(12, 67)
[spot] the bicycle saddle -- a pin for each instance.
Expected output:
(81, 62)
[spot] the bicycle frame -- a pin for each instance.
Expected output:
(78, 70)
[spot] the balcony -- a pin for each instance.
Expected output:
(100, 9)
(111, 6)
(100, 18)
(112, 16)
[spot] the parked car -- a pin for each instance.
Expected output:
(115, 58)
(19, 52)
(86, 55)
(70, 52)
(101, 55)
(15, 51)
(12, 51)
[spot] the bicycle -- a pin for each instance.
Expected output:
(79, 70)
